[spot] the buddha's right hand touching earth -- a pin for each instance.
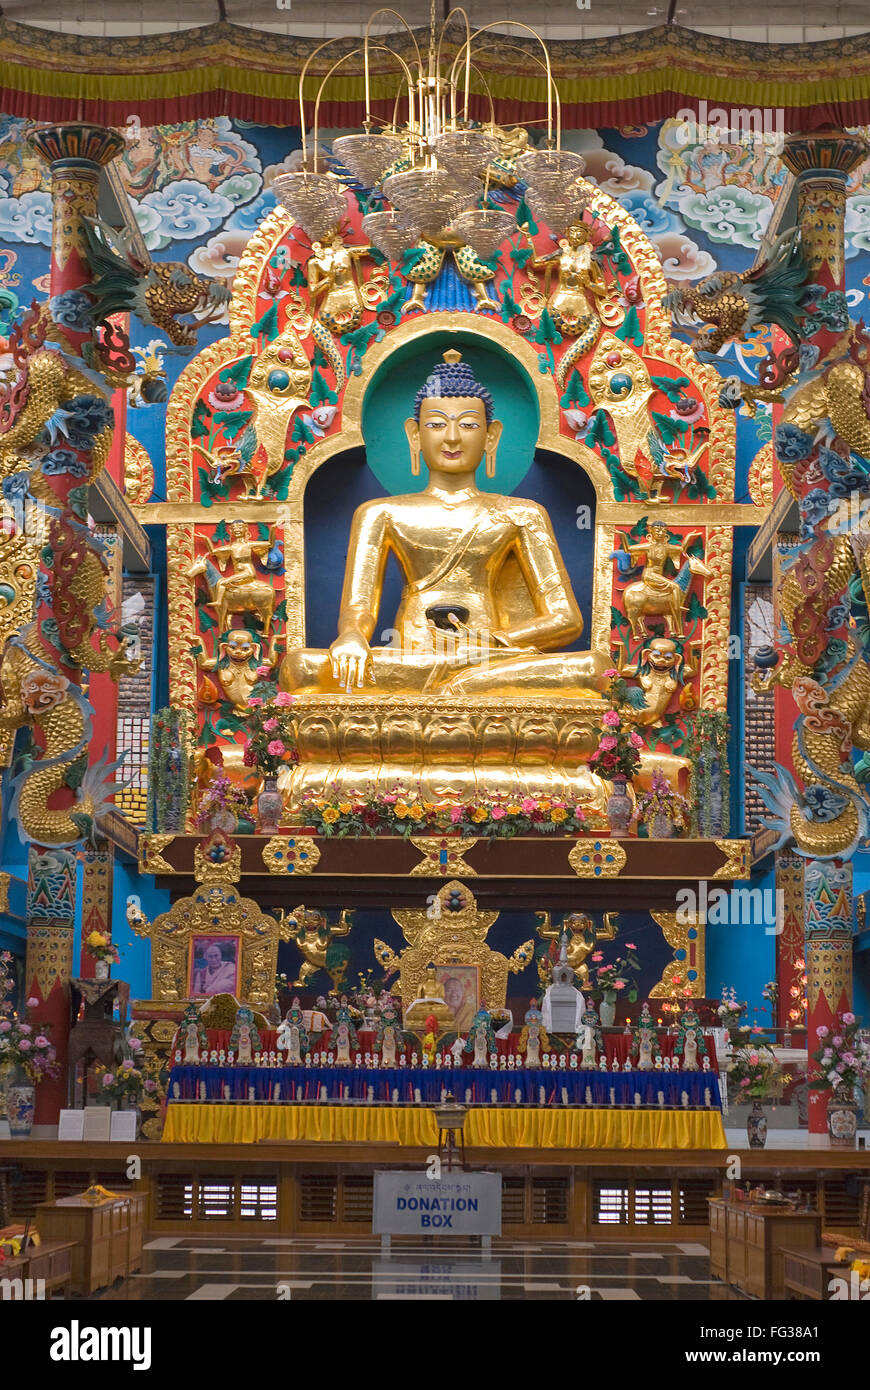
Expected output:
(352, 661)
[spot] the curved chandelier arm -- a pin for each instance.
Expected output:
(530, 57)
(457, 10)
(378, 48)
(551, 86)
(406, 25)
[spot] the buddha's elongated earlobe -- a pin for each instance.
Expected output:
(415, 463)
(490, 464)
(412, 434)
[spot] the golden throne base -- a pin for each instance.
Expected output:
(447, 748)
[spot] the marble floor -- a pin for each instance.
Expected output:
(236, 1269)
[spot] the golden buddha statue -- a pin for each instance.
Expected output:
(487, 597)
(429, 999)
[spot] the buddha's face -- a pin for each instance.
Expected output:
(452, 434)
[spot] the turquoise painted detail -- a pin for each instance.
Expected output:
(389, 403)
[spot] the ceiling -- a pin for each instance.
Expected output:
(777, 21)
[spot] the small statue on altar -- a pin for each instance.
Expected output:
(191, 1040)
(533, 1039)
(645, 1043)
(293, 1035)
(344, 1034)
(388, 1033)
(589, 1039)
(430, 1040)
(245, 1038)
(481, 1038)
(690, 1043)
(430, 999)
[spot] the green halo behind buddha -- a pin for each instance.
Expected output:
(487, 603)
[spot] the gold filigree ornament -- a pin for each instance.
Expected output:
(443, 856)
(597, 858)
(151, 859)
(452, 930)
(688, 968)
(738, 859)
(289, 854)
(215, 909)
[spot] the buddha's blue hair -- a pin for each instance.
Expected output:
(451, 379)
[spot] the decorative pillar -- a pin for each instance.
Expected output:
(78, 445)
(97, 877)
(51, 899)
(790, 944)
(828, 937)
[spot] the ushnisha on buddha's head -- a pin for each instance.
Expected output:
(452, 427)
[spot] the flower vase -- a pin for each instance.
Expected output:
(101, 970)
(661, 827)
(20, 1101)
(619, 807)
(223, 819)
(270, 804)
(842, 1118)
(607, 1013)
(756, 1126)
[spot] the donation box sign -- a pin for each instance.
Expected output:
(463, 1204)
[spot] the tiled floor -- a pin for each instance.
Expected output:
(235, 1269)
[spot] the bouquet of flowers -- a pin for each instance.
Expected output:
(755, 1073)
(271, 734)
(842, 1056)
(101, 947)
(23, 1045)
(613, 980)
(661, 800)
(618, 751)
(730, 1011)
(222, 806)
(771, 994)
(129, 1081)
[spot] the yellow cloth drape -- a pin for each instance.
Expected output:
(410, 1127)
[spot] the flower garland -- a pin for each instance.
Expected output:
(168, 782)
(707, 744)
(404, 812)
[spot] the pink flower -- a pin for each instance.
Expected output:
(455, 813)
(630, 946)
(270, 726)
(498, 812)
(5, 1026)
(25, 1028)
(255, 702)
(849, 1059)
(34, 1004)
(108, 1079)
(636, 740)
(611, 719)
(275, 747)
(25, 1044)
(619, 984)
(528, 805)
(41, 1041)
(822, 1031)
(837, 1042)
(607, 742)
(611, 673)
(150, 1086)
(848, 1019)
(135, 1044)
(597, 955)
(264, 672)
(284, 698)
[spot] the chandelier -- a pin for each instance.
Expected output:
(436, 168)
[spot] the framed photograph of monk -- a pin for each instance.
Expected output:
(461, 985)
(214, 966)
